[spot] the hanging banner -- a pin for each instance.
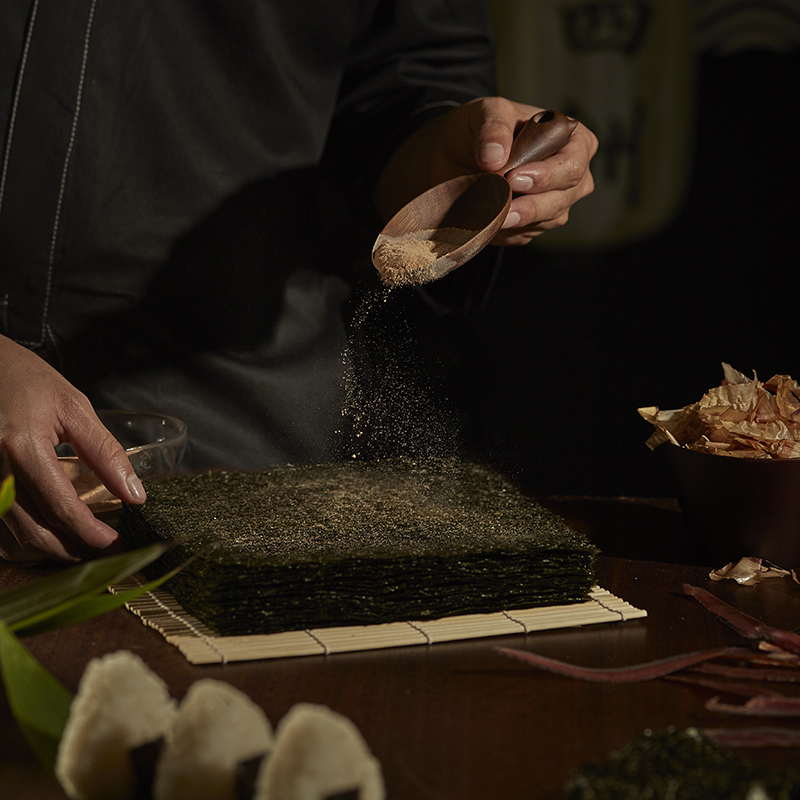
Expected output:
(626, 68)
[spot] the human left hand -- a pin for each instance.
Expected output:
(477, 136)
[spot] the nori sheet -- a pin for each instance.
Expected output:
(356, 544)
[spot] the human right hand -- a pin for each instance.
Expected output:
(478, 136)
(40, 409)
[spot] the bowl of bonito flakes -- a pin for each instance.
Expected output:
(734, 456)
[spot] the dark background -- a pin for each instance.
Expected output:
(569, 345)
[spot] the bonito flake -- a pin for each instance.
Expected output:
(741, 417)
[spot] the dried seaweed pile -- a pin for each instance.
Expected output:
(358, 543)
(680, 765)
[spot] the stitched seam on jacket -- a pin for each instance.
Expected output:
(17, 91)
(62, 187)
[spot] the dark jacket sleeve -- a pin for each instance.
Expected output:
(411, 60)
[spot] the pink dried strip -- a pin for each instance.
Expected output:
(722, 686)
(754, 737)
(775, 655)
(638, 672)
(747, 626)
(779, 674)
(767, 654)
(759, 706)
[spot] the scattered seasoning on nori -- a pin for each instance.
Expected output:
(679, 765)
(359, 543)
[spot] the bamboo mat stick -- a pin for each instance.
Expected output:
(201, 645)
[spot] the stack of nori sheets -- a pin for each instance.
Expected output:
(356, 544)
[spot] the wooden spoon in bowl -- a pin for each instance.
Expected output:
(452, 222)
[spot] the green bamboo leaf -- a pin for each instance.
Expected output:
(6, 494)
(34, 602)
(38, 701)
(86, 608)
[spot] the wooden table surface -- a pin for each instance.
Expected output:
(457, 720)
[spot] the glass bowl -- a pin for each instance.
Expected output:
(155, 444)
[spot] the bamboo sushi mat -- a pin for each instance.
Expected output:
(200, 645)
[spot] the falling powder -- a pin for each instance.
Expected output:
(392, 404)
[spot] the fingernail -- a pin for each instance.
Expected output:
(522, 183)
(492, 153)
(136, 488)
(512, 220)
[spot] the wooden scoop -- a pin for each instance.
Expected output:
(452, 222)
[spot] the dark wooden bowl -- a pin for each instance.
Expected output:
(739, 507)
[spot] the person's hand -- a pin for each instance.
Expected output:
(478, 136)
(38, 410)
